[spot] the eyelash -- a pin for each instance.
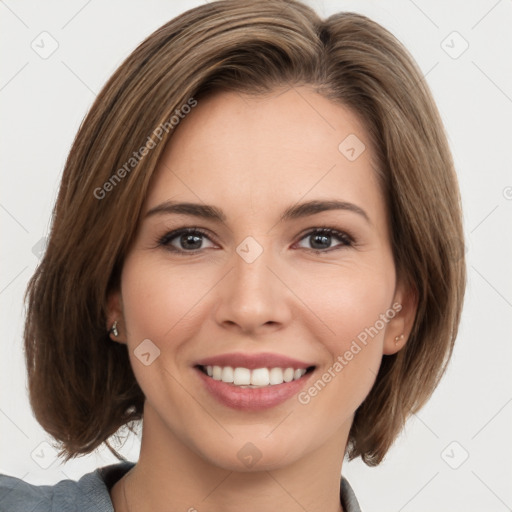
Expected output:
(346, 239)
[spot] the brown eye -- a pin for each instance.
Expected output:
(184, 240)
(321, 239)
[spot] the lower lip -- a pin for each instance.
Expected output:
(252, 399)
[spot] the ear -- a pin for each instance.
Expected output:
(115, 314)
(405, 304)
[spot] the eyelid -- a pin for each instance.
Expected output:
(174, 233)
(343, 235)
(346, 239)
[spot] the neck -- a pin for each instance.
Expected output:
(170, 476)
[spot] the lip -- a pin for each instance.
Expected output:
(252, 399)
(253, 361)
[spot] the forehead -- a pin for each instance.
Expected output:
(268, 151)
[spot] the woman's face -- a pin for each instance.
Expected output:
(250, 292)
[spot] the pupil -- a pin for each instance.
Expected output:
(325, 239)
(186, 238)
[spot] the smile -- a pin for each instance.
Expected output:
(252, 382)
(255, 378)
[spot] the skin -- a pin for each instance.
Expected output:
(253, 157)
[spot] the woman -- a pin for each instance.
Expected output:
(252, 250)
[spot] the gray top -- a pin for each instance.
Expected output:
(91, 493)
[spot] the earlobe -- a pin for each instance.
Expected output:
(115, 318)
(400, 327)
(399, 339)
(394, 342)
(114, 330)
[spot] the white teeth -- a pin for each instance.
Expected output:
(288, 375)
(242, 376)
(276, 376)
(259, 377)
(217, 373)
(227, 374)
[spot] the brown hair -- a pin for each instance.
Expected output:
(81, 386)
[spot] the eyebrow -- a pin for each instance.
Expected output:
(296, 211)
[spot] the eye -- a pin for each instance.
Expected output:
(188, 240)
(320, 238)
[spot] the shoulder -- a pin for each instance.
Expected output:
(89, 494)
(348, 498)
(17, 495)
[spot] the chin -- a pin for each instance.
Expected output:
(253, 449)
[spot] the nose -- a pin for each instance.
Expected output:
(253, 297)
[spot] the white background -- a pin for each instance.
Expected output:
(43, 102)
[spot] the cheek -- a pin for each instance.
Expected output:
(159, 299)
(354, 309)
(159, 304)
(350, 300)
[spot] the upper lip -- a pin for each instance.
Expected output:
(252, 361)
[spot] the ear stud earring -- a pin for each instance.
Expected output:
(114, 330)
(398, 339)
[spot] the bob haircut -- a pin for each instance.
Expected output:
(81, 386)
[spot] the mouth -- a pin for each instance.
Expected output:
(256, 378)
(252, 383)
